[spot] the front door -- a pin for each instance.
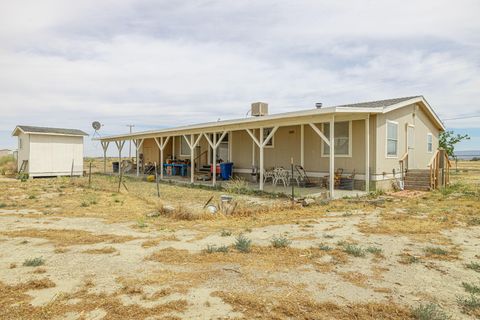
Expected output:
(411, 146)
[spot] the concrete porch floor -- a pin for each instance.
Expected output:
(269, 187)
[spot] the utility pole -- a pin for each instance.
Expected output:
(130, 142)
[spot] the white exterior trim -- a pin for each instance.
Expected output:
(386, 139)
(349, 155)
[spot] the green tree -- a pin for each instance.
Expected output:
(448, 140)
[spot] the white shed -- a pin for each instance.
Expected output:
(48, 152)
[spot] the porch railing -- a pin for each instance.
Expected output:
(439, 161)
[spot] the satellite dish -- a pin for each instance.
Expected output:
(96, 125)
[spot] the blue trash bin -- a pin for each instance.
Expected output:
(226, 169)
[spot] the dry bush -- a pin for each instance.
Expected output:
(264, 258)
(290, 306)
(105, 250)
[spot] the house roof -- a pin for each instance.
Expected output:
(378, 103)
(46, 130)
(371, 107)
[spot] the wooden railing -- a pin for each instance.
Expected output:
(403, 165)
(434, 166)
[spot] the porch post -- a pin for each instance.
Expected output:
(230, 144)
(161, 145)
(192, 159)
(105, 147)
(120, 147)
(192, 144)
(261, 159)
(302, 145)
(161, 158)
(214, 160)
(138, 144)
(332, 157)
(367, 153)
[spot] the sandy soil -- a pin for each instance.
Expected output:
(411, 250)
(380, 278)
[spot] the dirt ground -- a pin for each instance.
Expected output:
(70, 249)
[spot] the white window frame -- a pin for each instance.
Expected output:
(389, 156)
(20, 143)
(183, 140)
(430, 144)
(266, 132)
(350, 141)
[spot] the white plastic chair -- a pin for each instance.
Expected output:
(281, 174)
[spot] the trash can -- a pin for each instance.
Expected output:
(226, 169)
(115, 166)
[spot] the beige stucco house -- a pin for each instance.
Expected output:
(48, 152)
(375, 142)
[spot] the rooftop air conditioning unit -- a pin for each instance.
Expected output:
(259, 109)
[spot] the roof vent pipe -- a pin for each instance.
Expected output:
(318, 105)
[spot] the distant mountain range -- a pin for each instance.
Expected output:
(467, 155)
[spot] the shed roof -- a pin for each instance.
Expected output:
(47, 130)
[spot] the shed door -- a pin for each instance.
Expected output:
(411, 146)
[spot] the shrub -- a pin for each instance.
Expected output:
(474, 221)
(429, 311)
(280, 242)
(243, 244)
(225, 233)
(472, 303)
(35, 262)
(354, 250)
(436, 251)
(374, 250)
(214, 248)
(2, 205)
(141, 223)
(324, 247)
(471, 288)
(474, 266)
(237, 186)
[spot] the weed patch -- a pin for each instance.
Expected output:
(280, 242)
(429, 311)
(34, 262)
(474, 266)
(243, 244)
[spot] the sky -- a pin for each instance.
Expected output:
(158, 64)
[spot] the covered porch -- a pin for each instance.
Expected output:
(258, 146)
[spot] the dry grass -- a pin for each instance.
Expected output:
(302, 307)
(105, 250)
(67, 237)
(14, 304)
(264, 258)
(356, 278)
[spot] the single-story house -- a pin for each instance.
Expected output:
(375, 142)
(49, 152)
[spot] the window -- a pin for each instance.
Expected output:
(184, 148)
(429, 142)
(266, 132)
(20, 144)
(342, 138)
(392, 139)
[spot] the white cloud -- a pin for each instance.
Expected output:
(167, 63)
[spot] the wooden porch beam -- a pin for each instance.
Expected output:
(320, 133)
